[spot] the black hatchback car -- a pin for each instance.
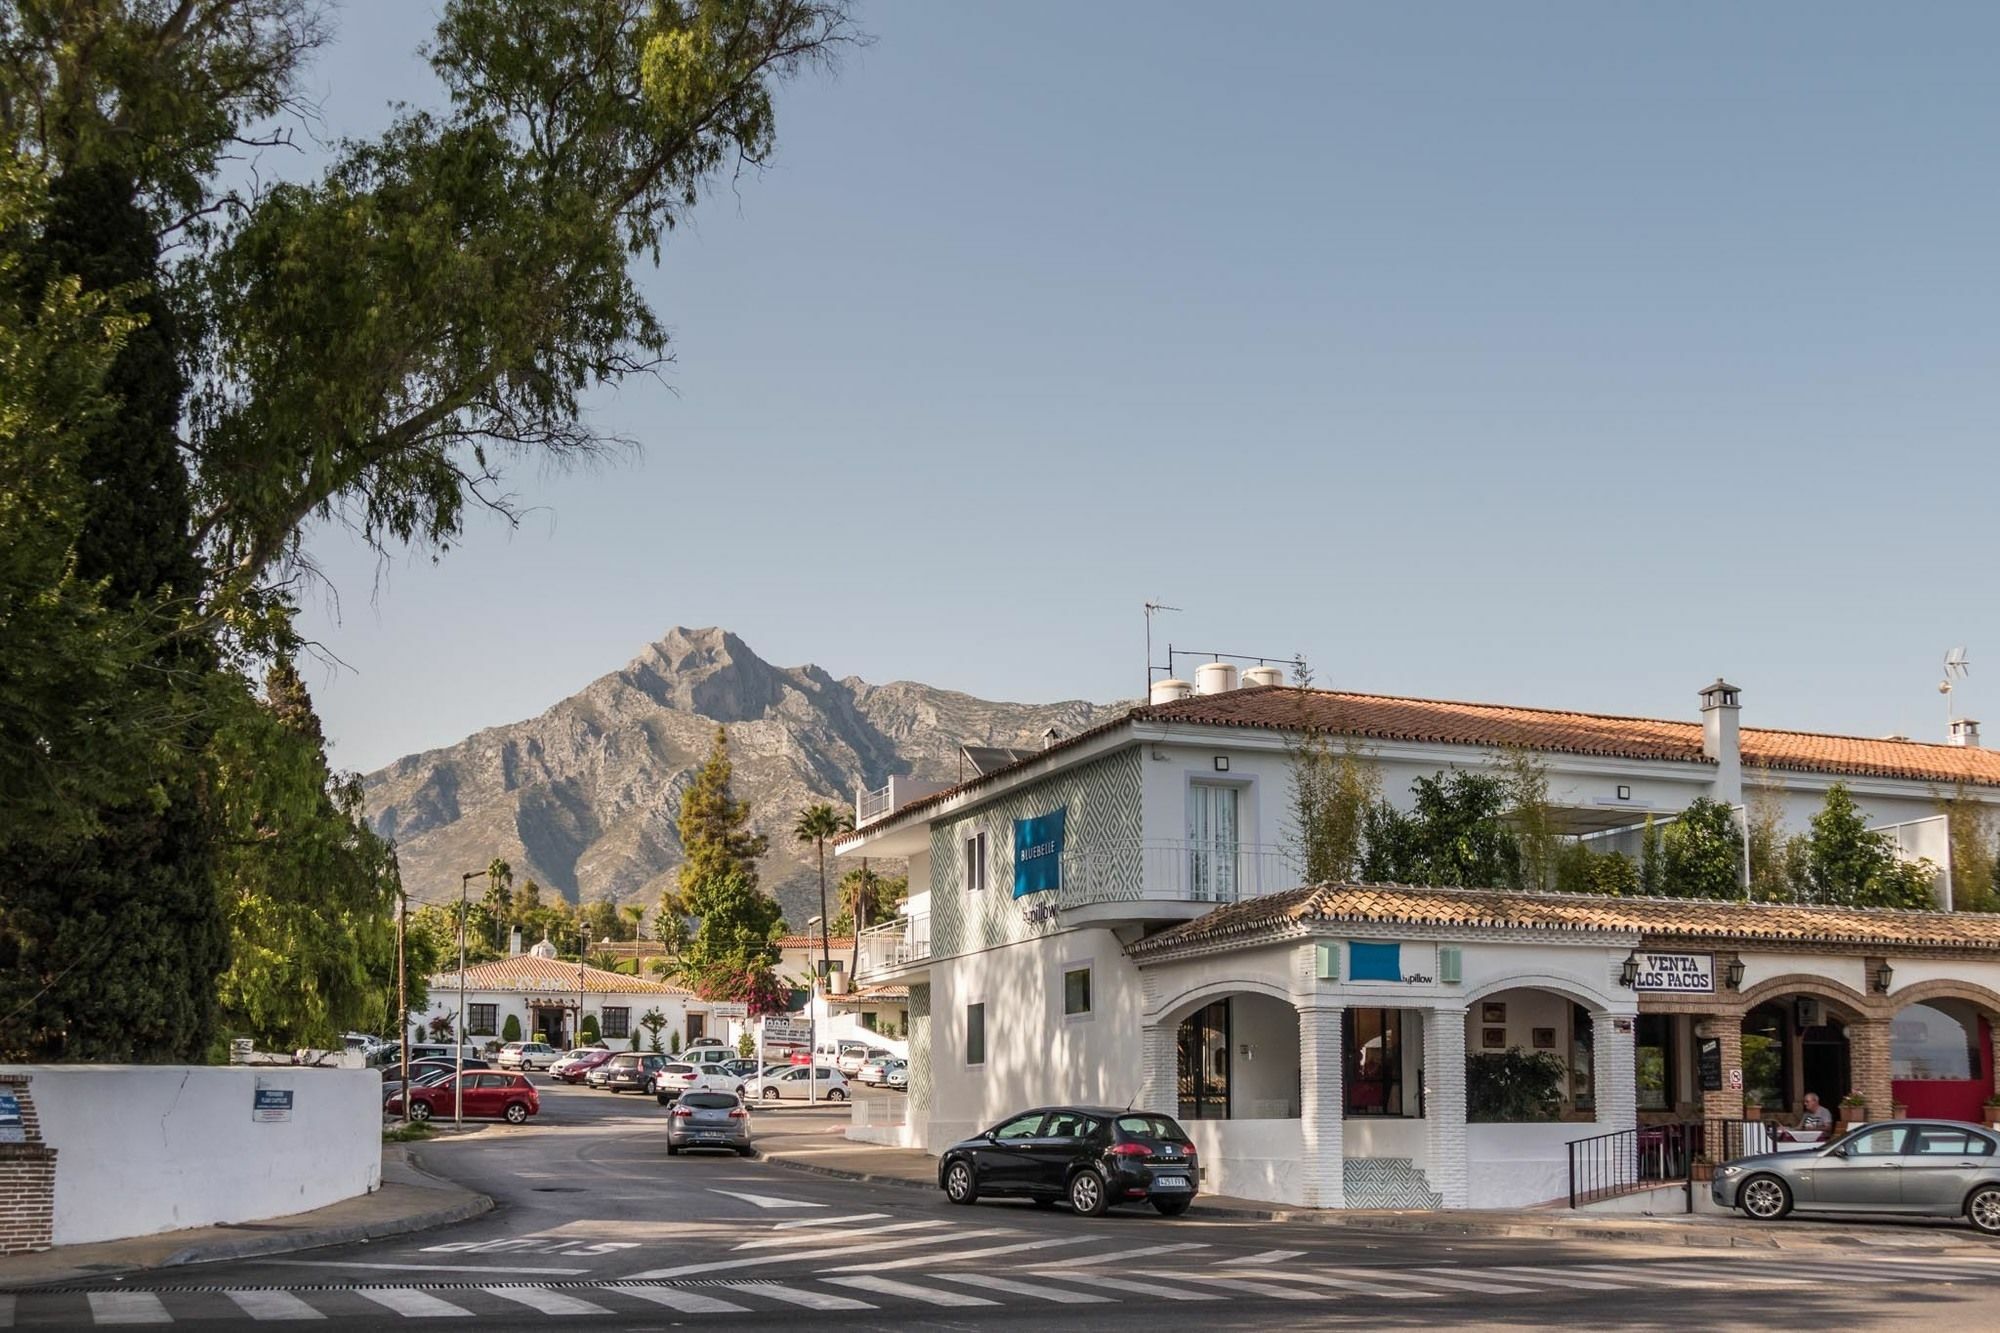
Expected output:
(1090, 1155)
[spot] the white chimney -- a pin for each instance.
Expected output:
(1215, 678)
(514, 942)
(1720, 705)
(1965, 732)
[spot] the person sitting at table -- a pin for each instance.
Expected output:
(1815, 1116)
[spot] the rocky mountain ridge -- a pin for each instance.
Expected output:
(584, 797)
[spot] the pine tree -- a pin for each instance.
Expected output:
(715, 842)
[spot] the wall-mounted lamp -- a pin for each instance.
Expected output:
(1733, 974)
(1222, 763)
(1883, 976)
(1624, 792)
(1628, 975)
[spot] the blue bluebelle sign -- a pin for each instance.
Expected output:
(1038, 848)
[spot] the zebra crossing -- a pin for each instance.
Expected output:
(914, 1290)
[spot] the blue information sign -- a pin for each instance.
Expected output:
(272, 1105)
(12, 1130)
(1038, 848)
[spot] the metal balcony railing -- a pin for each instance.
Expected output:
(1174, 870)
(893, 944)
(872, 804)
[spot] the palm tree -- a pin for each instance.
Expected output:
(817, 823)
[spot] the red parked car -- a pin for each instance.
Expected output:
(489, 1095)
(572, 1069)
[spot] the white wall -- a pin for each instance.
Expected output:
(1250, 1159)
(149, 1148)
(1514, 1166)
(1387, 1136)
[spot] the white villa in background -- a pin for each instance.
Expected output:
(1315, 1041)
(549, 997)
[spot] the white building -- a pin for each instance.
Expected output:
(1114, 920)
(549, 997)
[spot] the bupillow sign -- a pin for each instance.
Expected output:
(1675, 973)
(1038, 848)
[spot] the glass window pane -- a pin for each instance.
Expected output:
(1933, 1142)
(1654, 1060)
(1020, 1127)
(1934, 1041)
(975, 1034)
(1876, 1143)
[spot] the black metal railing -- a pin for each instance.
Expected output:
(1607, 1165)
(1726, 1139)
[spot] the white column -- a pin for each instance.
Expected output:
(1444, 1103)
(1322, 1104)
(1614, 1071)
(1159, 1068)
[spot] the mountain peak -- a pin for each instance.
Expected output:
(709, 672)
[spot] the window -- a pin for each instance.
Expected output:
(1204, 1063)
(1069, 1125)
(1933, 1141)
(1653, 1056)
(1938, 1040)
(697, 1027)
(1371, 1047)
(1021, 1127)
(975, 863)
(1212, 850)
(482, 1020)
(617, 1023)
(1582, 1059)
(1876, 1143)
(1076, 992)
(975, 1034)
(1767, 1057)
(1150, 1127)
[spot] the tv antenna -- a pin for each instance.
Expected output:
(1151, 608)
(1956, 664)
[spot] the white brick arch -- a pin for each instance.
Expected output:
(1570, 987)
(1188, 999)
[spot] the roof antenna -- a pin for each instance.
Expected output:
(1956, 664)
(1151, 607)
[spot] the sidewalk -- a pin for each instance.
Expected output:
(821, 1149)
(409, 1200)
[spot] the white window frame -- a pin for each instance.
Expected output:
(1087, 966)
(976, 860)
(984, 1035)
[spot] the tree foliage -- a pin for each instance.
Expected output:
(1333, 788)
(716, 841)
(1701, 853)
(1839, 861)
(1456, 833)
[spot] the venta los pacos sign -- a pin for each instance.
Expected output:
(1675, 973)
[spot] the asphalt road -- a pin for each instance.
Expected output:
(597, 1224)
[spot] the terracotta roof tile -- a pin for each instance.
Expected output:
(552, 975)
(835, 943)
(1381, 717)
(1489, 909)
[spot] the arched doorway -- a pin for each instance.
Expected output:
(1793, 1045)
(1237, 1058)
(1941, 1059)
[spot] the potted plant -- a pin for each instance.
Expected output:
(1898, 1111)
(1991, 1111)
(1752, 1110)
(1853, 1110)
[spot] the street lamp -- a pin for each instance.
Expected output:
(1628, 975)
(458, 1038)
(403, 997)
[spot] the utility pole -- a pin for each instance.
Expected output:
(812, 1013)
(403, 997)
(458, 1032)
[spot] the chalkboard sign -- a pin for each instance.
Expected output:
(1708, 1062)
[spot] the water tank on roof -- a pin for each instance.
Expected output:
(1214, 678)
(1263, 675)
(1166, 691)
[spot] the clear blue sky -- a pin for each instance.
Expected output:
(1563, 354)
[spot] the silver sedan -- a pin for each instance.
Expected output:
(1941, 1168)
(703, 1119)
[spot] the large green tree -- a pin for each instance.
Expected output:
(1701, 853)
(372, 346)
(1840, 861)
(1455, 833)
(716, 841)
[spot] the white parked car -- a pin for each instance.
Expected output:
(678, 1076)
(526, 1055)
(791, 1082)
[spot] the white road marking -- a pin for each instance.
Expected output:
(768, 1200)
(423, 1268)
(812, 1300)
(928, 1295)
(1321, 1279)
(1141, 1288)
(1452, 1279)
(410, 1303)
(1270, 1257)
(1773, 1271)
(1114, 1256)
(128, 1307)
(688, 1301)
(796, 1222)
(883, 1265)
(1656, 1276)
(543, 1300)
(1059, 1295)
(1254, 1288)
(823, 1237)
(831, 1252)
(272, 1305)
(1560, 1277)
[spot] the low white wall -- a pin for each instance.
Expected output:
(1515, 1166)
(1386, 1136)
(149, 1148)
(1250, 1159)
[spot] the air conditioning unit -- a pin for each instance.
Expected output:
(1807, 1012)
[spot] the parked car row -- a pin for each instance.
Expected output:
(486, 1094)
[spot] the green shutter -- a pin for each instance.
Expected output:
(1327, 954)
(1449, 964)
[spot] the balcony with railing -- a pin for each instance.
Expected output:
(893, 945)
(1189, 875)
(890, 797)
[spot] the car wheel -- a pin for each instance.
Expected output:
(836, 1094)
(517, 1113)
(960, 1185)
(616, 1091)
(1765, 1198)
(746, 1151)
(420, 1110)
(1171, 1207)
(770, 1094)
(672, 1151)
(1983, 1209)
(665, 1100)
(1087, 1195)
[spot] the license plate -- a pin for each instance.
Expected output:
(1170, 1182)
